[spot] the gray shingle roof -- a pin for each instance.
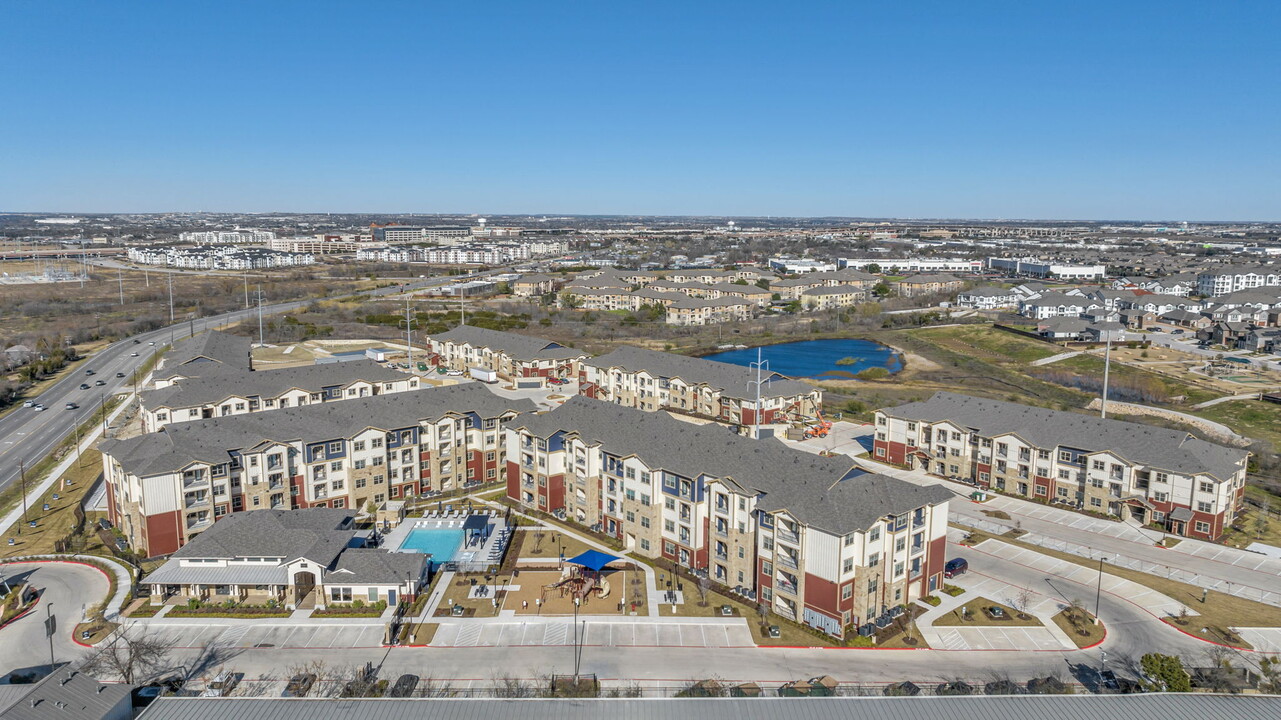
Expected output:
(213, 389)
(317, 534)
(827, 493)
(369, 565)
(519, 347)
(734, 380)
(1157, 447)
(207, 347)
(180, 444)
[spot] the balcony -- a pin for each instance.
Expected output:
(787, 536)
(722, 556)
(199, 523)
(788, 562)
(782, 584)
(196, 501)
(190, 481)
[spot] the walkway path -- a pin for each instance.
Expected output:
(1225, 398)
(1055, 358)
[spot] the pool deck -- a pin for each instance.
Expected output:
(479, 552)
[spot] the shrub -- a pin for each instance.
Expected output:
(873, 373)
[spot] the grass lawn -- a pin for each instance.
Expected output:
(1219, 612)
(989, 343)
(976, 615)
(58, 521)
(1247, 530)
(547, 544)
(1084, 632)
(98, 631)
(1253, 418)
(142, 608)
(423, 633)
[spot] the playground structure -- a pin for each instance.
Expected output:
(581, 583)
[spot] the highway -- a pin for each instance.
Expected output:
(27, 435)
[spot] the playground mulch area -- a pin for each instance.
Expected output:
(534, 585)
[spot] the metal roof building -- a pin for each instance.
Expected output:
(1161, 706)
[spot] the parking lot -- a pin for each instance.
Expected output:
(998, 638)
(267, 634)
(703, 633)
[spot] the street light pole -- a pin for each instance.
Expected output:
(22, 472)
(50, 629)
(1098, 592)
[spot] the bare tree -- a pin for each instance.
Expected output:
(704, 584)
(129, 658)
(1022, 601)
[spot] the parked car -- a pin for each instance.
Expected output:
(223, 684)
(1176, 331)
(299, 685)
(955, 566)
(404, 686)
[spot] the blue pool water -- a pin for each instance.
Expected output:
(441, 543)
(817, 358)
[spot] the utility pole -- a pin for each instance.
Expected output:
(22, 472)
(760, 365)
(409, 336)
(246, 289)
(102, 407)
(1098, 592)
(120, 276)
(261, 341)
(1107, 365)
(170, 297)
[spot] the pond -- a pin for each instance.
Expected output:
(817, 358)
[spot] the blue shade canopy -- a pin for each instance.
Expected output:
(475, 523)
(593, 560)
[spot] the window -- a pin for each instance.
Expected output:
(848, 566)
(1098, 465)
(1096, 502)
(1065, 456)
(847, 591)
(874, 534)
(1206, 507)
(340, 594)
(644, 544)
(1202, 527)
(1207, 487)
(358, 446)
(644, 521)
(874, 559)
(335, 465)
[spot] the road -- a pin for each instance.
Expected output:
(27, 435)
(66, 587)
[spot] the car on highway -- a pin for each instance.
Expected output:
(38, 407)
(153, 342)
(29, 403)
(88, 372)
(120, 375)
(1176, 332)
(133, 354)
(84, 386)
(71, 406)
(100, 383)
(137, 342)
(955, 566)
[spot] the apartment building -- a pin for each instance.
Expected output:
(207, 353)
(399, 234)
(915, 265)
(705, 311)
(164, 488)
(1188, 486)
(214, 257)
(989, 298)
(793, 288)
(814, 538)
(833, 297)
(232, 237)
(243, 391)
(928, 284)
(652, 380)
(1231, 279)
(519, 358)
(535, 285)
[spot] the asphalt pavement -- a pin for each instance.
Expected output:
(65, 589)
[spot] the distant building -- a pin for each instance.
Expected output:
(1035, 268)
(405, 234)
(915, 265)
(928, 284)
(210, 257)
(227, 237)
(798, 266)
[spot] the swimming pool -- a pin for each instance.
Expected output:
(441, 543)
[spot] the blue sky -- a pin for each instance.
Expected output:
(1105, 110)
